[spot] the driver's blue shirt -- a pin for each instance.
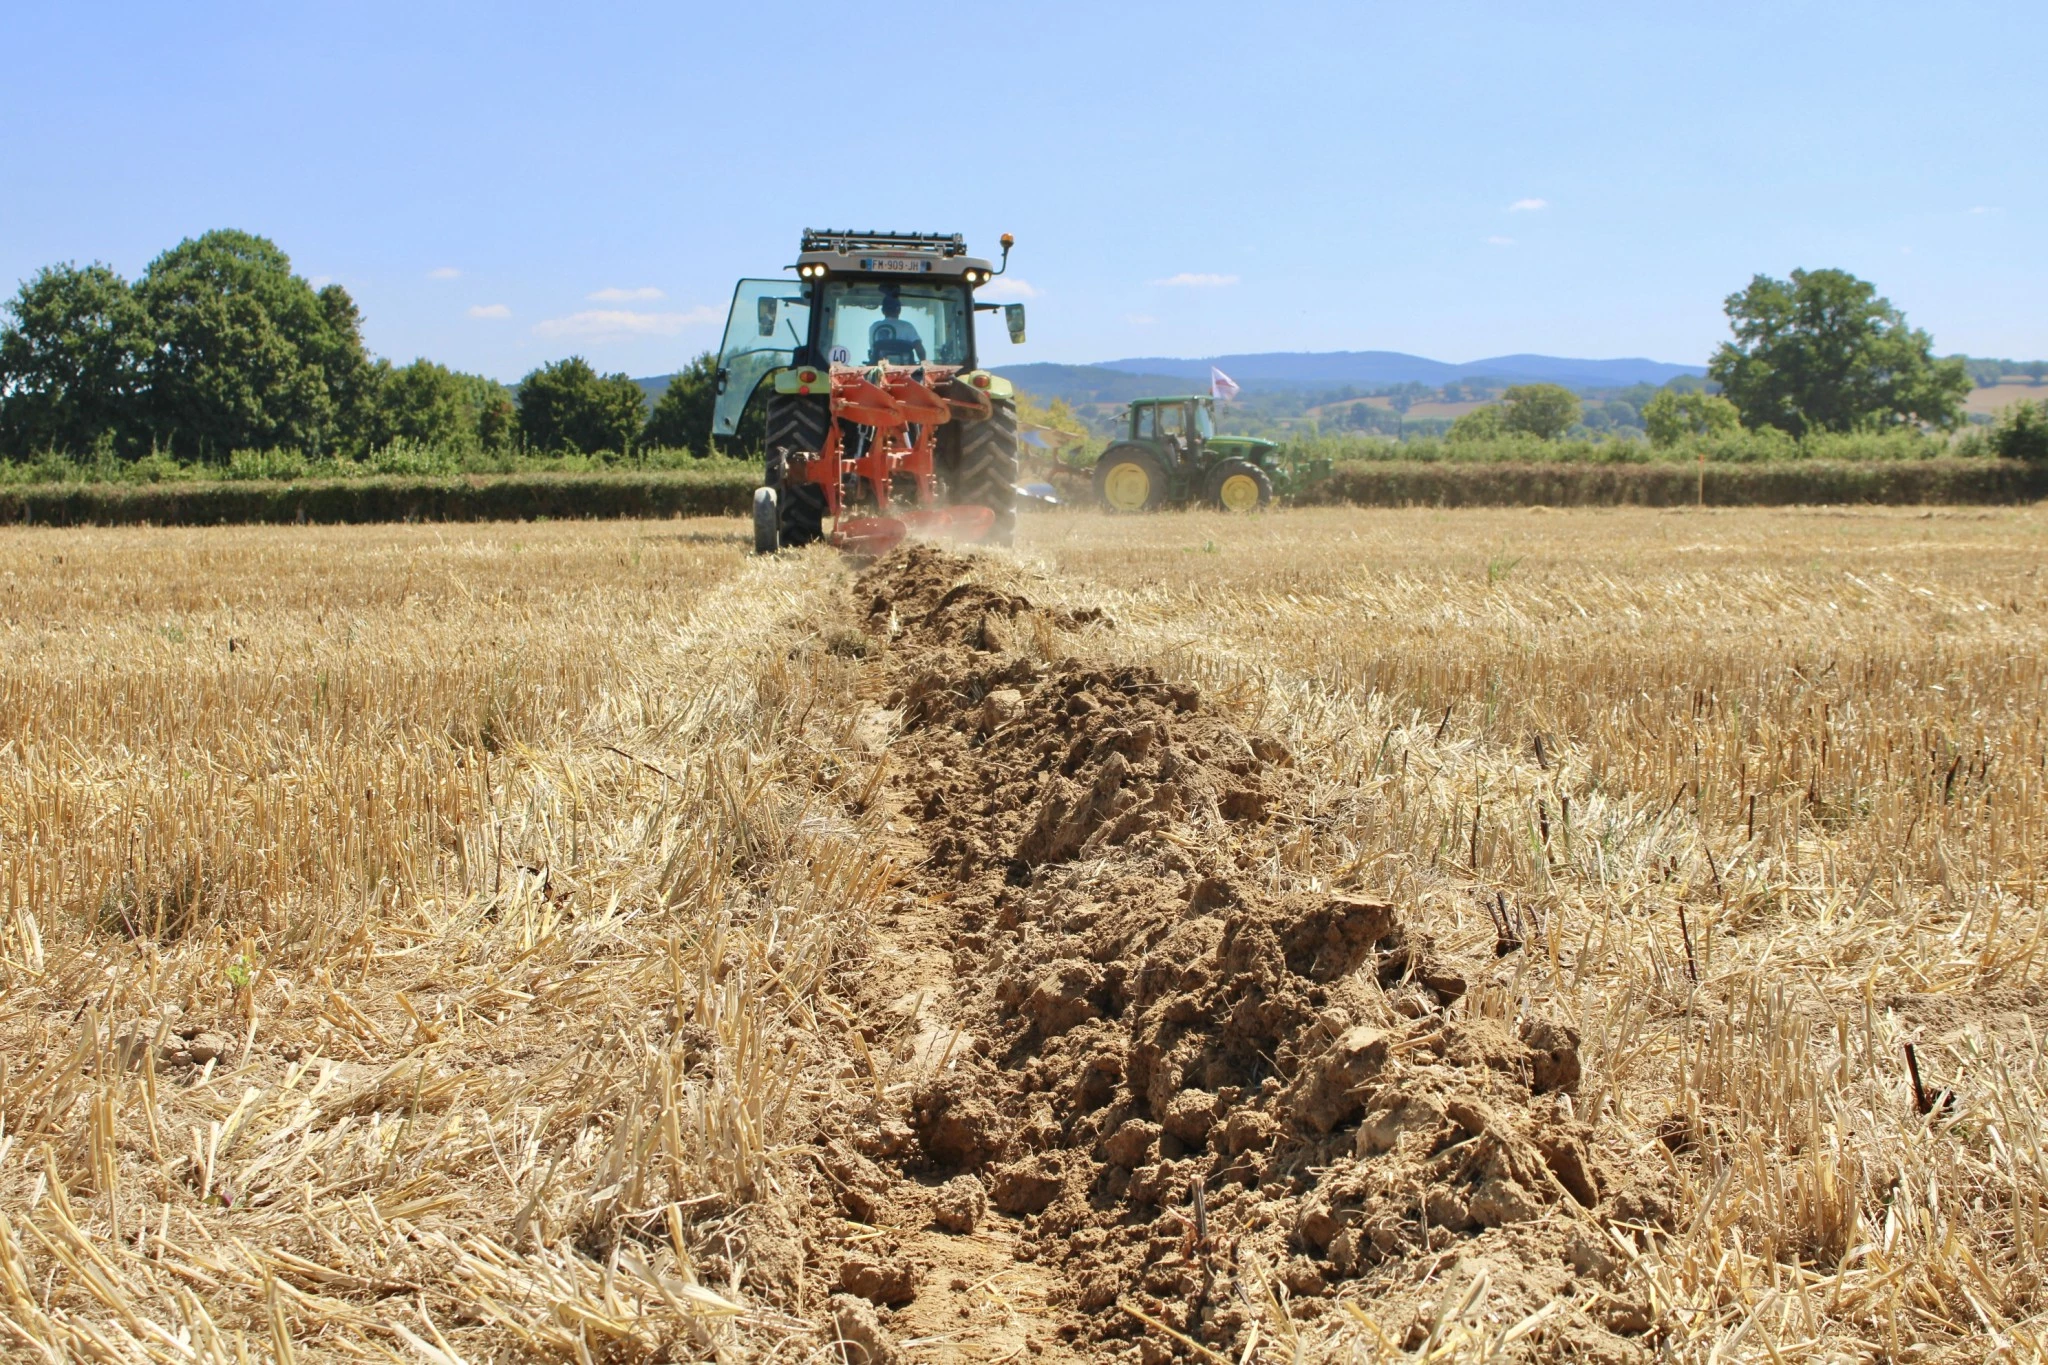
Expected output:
(894, 339)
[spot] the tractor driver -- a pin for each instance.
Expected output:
(892, 338)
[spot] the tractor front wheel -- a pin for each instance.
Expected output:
(1131, 479)
(1236, 485)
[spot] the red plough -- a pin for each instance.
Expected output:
(888, 418)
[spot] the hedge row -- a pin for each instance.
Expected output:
(527, 497)
(511, 497)
(1662, 485)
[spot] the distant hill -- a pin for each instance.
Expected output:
(1119, 381)
(1097, 383)
(1321, 369)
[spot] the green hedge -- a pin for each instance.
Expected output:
(512, 497)
(1897, 482)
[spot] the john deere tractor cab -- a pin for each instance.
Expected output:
(1167, 454)
(879, 414)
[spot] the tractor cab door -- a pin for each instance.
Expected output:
(770, 321)
(1173, 428)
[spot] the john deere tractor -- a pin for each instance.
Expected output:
(879, 416)
(1167, 454)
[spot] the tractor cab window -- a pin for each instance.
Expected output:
(768, 322)
(1144, 423)
(1173, 421)
(867, 322)
(1205, 422)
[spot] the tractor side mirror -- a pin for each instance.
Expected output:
(764, 316)
(1013, 318)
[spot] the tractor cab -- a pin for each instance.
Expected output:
(1186, 424)
(861, 299)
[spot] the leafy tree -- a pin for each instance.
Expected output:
(2022, 432)
(569, 406)
(421, 402)
(2034, 370)
(681, 419)
(497, 421)
(1822, 352)
(682, 415)
(437, 406)
(72, 358)
(1671, 417)
(1480, 424)
(1545, 411)
(249, 355)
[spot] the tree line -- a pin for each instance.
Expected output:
(218, 347)
(1820, 353)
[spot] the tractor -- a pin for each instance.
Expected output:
(879, 417)
(1167, 454)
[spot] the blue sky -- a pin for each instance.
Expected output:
(499, 186)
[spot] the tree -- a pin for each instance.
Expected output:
(569, 406)
(681, 419)
(1545, 411)
(247, 354)
(682, 415)
(421, 402)
(1671, 417)
(1480, 424)
(73, 359)
(2022, 432)
(1822, 352)
(437, 406)
(2034, 370)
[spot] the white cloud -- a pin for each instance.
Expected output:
(1528, 205)
(446, 272)
(490, 310)
(1009, 289)
(1500, 241)
(644, 293)
(606, 324)
(1195, 280)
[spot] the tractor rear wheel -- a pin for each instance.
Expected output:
(985, 474)
(1131, 479)
(795, 428)
(1236, 485)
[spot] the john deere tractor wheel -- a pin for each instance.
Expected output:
(1236, 485)
(1131, 479)
(795, 426)
(984, 472)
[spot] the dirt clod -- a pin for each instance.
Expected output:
(960, 1204)
(860, 1334)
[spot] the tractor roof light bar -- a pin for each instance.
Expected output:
(934, 243)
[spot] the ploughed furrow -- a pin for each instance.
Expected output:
(1201, 1106)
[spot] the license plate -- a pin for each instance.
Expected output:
(895, 265)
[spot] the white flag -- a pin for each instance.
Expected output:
(1221, 385)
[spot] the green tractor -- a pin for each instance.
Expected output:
(1167, 454)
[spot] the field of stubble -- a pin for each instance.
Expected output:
(439, 942)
